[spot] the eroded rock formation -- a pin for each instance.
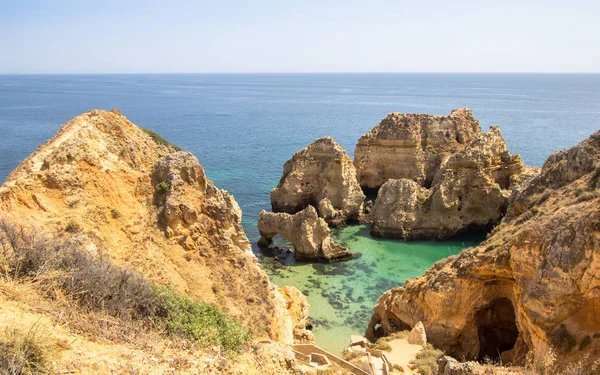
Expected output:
(469, 191)
(298, 308)
(533, 284)
(308, 233)
(321, 175)
(412, 146)
(108, 185)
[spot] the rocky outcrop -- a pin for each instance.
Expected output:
(532, 285)
(321, 175)
(469, 191)
(308, 233)
(412, 146)
(417, 335)
(298, 308)
(110, 186)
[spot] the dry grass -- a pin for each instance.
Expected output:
(425, 361)
(25, 353)
(383, 343)
(117, 300)
(550, 366)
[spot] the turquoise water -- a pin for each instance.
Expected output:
(342, 295)
(243, 127)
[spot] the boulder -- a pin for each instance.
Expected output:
(308, 233)
(412, 146)
(321, 175)
(417, 335)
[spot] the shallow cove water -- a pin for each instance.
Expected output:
(342, 295)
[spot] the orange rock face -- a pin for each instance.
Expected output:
(412, 146)
(532, 285)
(109, 185)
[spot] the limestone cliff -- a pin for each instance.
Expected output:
(469, 191)
(412, 146)
(533, 284)
(298, 307)
(113, 188)
(308, 233)
(321, 175)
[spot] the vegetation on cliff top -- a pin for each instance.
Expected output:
(160, 140)
(94, 283)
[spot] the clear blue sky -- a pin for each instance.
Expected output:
(299, 36)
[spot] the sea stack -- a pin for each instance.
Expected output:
(308, 233)
(412, 146)
(469, 192)
(321, 175)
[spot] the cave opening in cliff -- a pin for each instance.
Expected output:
(370, 193)
(496, 328)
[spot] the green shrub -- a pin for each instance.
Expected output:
(184, 317)
(24, 353)
(562, 339)
(72, 227)
(585, 342)
(163, 187)
(382, 345)
(425, 361)
(160, 140)
(423, 195)
(115, 213)
(587, 196)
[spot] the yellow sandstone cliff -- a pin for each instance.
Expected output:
(114, 189)
(532, 286)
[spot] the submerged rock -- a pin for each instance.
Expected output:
(321, 175)
(412, 146)
(533, 285)
(308, 233)
(469, 191)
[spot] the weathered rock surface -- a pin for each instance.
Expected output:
(469, 191)
(321, 175)
(533, 284)
(105, 183)
(308, 233)
(298, 308)
(412, 146)
(417, 335)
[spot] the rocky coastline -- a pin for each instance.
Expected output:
(111, 189)
(530, 289)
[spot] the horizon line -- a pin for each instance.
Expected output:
(276, 73)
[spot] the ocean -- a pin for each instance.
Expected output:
(243, 127)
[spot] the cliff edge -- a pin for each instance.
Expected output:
(532, 285)
(118, 190)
